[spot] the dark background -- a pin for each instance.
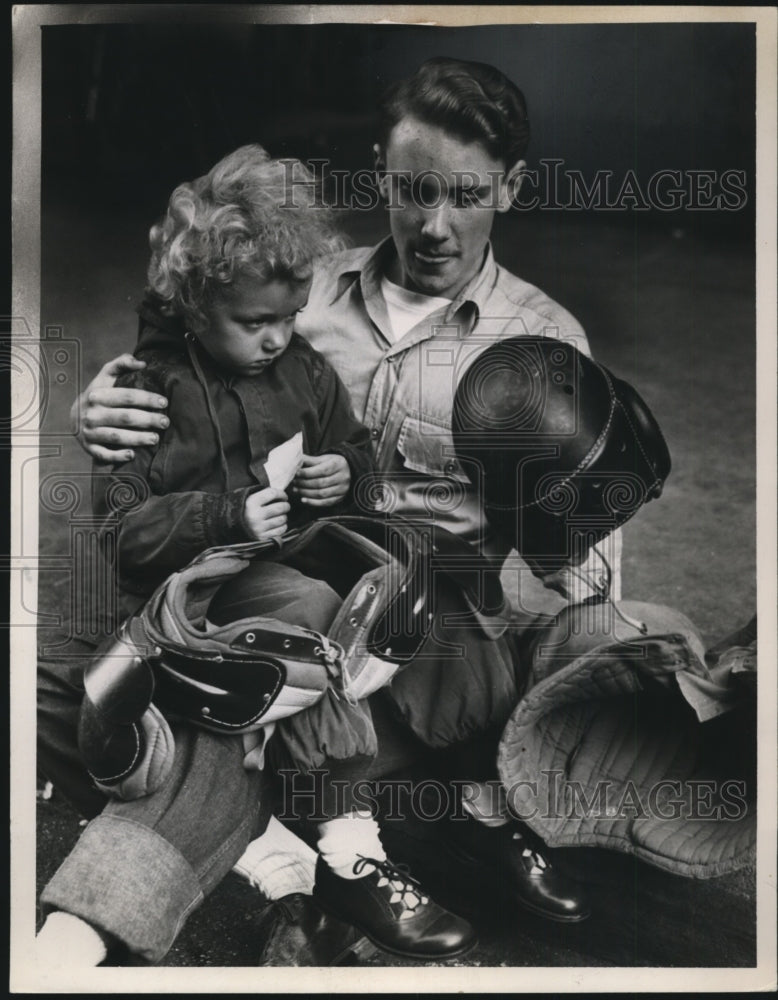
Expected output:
(154, 104)
(666, 298)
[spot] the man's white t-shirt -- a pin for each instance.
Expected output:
(406, 308)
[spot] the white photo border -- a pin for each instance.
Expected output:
(26, 180)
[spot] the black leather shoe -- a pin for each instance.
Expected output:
(524, 873)
(391, 909)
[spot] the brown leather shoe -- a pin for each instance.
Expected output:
(392, 910)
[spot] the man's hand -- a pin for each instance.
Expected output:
(265, 514)
(108, 422)
(323, 480)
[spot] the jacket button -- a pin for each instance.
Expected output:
(374, 432)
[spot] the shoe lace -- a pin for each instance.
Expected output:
(532, 857)
(405, 888)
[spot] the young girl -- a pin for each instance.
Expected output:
(231, 267)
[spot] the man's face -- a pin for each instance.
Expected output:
(442, 193)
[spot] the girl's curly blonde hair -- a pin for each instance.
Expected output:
(250, 215)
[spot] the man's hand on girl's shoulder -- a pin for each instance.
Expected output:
(108, 421)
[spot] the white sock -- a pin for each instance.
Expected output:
(278, 863)
(346, 839)
(486, 802)
(68, 941)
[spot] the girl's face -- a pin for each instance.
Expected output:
(250, 323)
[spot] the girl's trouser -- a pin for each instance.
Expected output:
(141, 867)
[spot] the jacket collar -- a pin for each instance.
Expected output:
(157, 329)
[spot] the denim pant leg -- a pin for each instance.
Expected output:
(141, 867)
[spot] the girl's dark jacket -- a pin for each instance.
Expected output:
(187, 493)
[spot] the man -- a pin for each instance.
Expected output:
(401, 322)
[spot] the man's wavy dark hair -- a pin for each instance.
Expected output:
(472, 100)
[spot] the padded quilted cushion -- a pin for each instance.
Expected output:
(604, 751)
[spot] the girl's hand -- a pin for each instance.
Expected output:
(323, 480)
(265, 514)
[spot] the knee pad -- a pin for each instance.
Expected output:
(126, 761)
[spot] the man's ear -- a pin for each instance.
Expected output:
(509, 188)
(379, 163)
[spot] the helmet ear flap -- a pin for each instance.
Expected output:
(647, 433)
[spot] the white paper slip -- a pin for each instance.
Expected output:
(284, 461)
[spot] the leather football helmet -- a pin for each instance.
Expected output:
(562, 450)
